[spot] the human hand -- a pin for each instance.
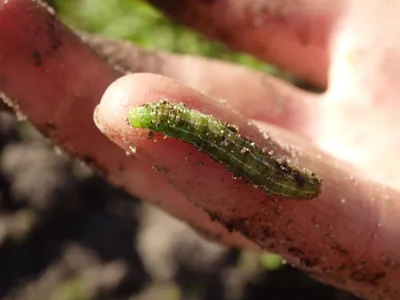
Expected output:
(347, 236)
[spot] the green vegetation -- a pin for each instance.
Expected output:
(137, 21)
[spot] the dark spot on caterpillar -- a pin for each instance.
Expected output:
(244, 150)
(301, 181)
(224, 141)
(232, 128)
(180, 122)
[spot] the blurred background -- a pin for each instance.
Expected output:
(66, 234)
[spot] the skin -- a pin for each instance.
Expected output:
(349, 235)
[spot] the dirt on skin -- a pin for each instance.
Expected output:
(65, 233)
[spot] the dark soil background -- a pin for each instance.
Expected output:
(66, 234)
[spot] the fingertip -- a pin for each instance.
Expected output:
(121, 95)
(118, 96)
(132, 90)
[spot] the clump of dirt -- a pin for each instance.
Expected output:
(65, 233)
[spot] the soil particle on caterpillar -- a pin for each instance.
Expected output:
(223, 143)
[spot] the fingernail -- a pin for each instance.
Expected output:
(99, 121)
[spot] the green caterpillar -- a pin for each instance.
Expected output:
(223, 143)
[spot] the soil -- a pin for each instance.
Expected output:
(65, 233)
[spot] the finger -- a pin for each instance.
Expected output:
(255, 94)
(52, 77)
(346, 237)
(293, 35)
